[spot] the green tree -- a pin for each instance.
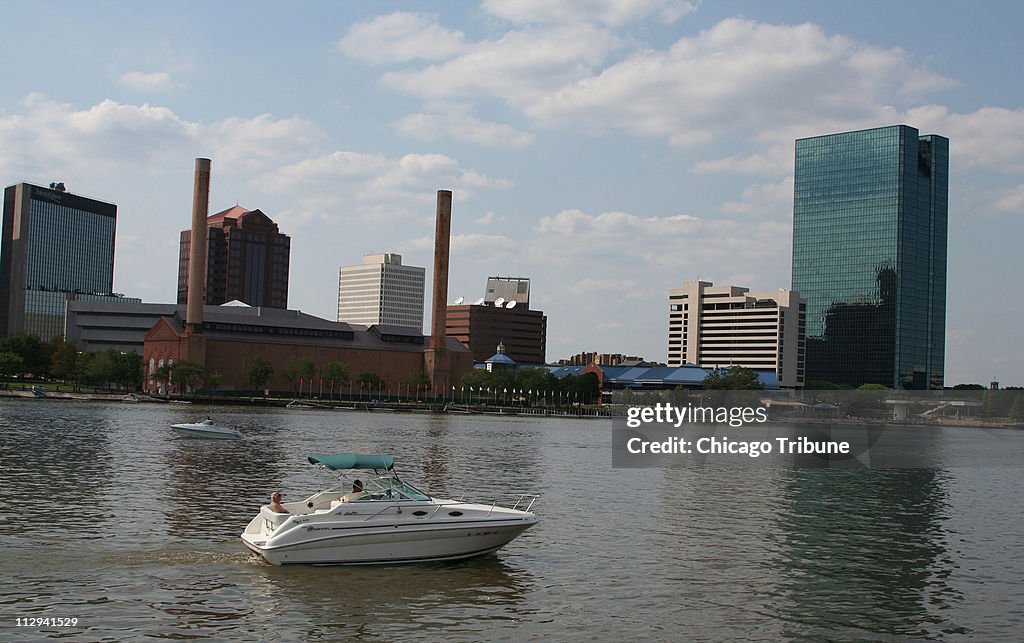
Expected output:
(369, 383)
(418, 380)
(968, 387)
(1017, 410)
(290, 373)
(35, 354)
(334, 373)
(187, 376)
(63, 356)
(11, 364)
(307, 371)
(101, 369)
(259, 373)
(732, 378)
(213, 380)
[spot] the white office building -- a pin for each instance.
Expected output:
(381, 291)
(722, 326)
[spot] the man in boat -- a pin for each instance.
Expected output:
(275, 503)
(357, 490)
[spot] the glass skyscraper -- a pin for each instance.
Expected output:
(869, 255)
(55, 246)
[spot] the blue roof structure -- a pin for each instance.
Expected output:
(654, 377)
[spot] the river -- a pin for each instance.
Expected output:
(110, 518)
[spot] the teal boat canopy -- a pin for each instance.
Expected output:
(343, 461)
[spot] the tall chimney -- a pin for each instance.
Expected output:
(197, 252)
(442, 242)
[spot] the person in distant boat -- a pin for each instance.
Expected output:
(357, 486)
(275, 503)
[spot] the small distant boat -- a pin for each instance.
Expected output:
(207, 429)
(38, 391)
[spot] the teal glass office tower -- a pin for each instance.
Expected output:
(869, 255)
(55, 246)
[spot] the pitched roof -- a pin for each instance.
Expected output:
(234, 212)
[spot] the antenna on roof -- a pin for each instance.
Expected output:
(459, 300)
(478, 301)
(511, 303)
(499, 302)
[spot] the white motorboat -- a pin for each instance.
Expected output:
(207, 429)
(381, 519)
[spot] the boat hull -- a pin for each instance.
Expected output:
(412, 542)
(209, 433)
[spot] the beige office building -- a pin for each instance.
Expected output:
(720, 326)
(381, 291)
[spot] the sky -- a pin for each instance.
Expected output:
(608, 150)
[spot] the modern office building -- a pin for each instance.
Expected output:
(381, 291)
(869, 255)
(721, 326)
(495, 319)
(55, 246)
(247, 260)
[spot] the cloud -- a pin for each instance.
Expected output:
(610, 12)
(401, 37)
(372, 186)
(991, 137)
(518, 67)
(721, 80)
(1012, 201)
(158, 81)
(763, 198)
(489, 218)
(455, 121)
(50, 137)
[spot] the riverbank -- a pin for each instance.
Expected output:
(379, 406)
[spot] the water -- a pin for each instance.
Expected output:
(109, 517)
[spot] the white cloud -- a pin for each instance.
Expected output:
(400, 37)
(455, 121)
(519, 67)
(723, 78)
(57, 138)
(158, 81)
(1012, 201)
(763, 198)
(609, 12)
(991, 137)
(373, 186)
(490, 218)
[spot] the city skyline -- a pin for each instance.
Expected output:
(611, 151)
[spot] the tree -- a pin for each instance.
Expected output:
(335, 373)
(259, 373)
(63, 356)
(100, 369)
(732, 378)
(213, 380)
(35, 355)
(10, 364)
(290, 372)
(187, 375)
(968, 387)
(307, 371)
(418, 380)
(1017, 410)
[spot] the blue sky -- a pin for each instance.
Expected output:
(610, 151)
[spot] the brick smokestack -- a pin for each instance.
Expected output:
(198, 246)
(442, 243)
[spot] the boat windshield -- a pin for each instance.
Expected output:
(389, 488)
